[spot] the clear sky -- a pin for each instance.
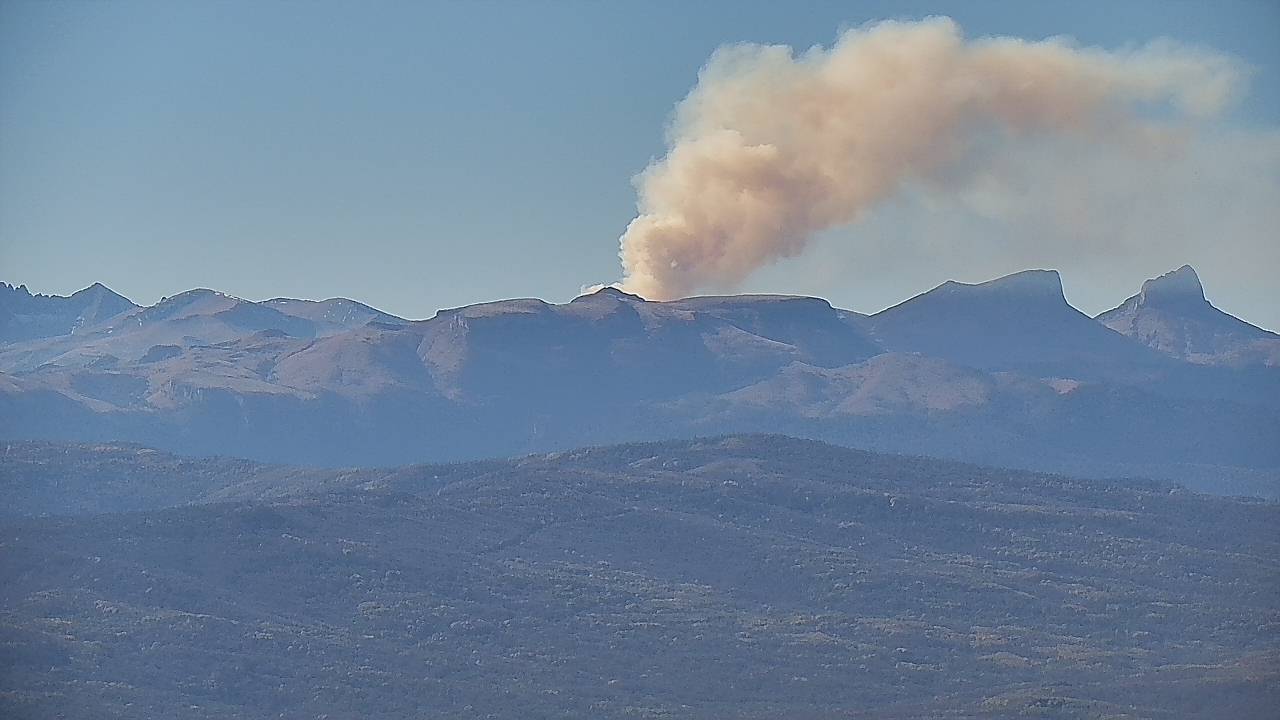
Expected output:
(424, 155)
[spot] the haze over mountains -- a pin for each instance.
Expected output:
(1004, 372)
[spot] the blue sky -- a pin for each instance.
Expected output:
(424, 155)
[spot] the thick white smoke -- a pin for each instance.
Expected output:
(770, 148)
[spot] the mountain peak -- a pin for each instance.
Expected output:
(1021, 320)
(608, 292)
(1176, 285)
(98, 290)
(1171, 314)
(1035, 285)
(1028, 281)
(16, 289)
(613, 292)
(24, 316)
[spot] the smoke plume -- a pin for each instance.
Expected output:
(771, 147)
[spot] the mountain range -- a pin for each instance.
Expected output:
(1004, 373)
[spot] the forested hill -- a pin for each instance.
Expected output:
(752, 576)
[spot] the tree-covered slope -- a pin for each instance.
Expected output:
(753, 576)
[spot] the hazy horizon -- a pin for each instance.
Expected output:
(425, 157)
(433, 312)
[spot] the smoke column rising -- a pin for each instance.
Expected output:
(770, 148)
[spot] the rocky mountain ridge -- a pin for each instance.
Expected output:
(1171, 315)
(1004, 372)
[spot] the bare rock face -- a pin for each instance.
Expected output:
(1171, 314)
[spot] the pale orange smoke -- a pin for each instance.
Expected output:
(770, 148)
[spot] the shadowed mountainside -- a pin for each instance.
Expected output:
(1020, 322)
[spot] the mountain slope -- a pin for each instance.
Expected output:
(1018, 322)
(332, 315)
(1004, 373)
(41, 478)
(24, 316)
(823, 336)
(625, 349)
(1170, 314)
(188, 322)
(747, 577)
